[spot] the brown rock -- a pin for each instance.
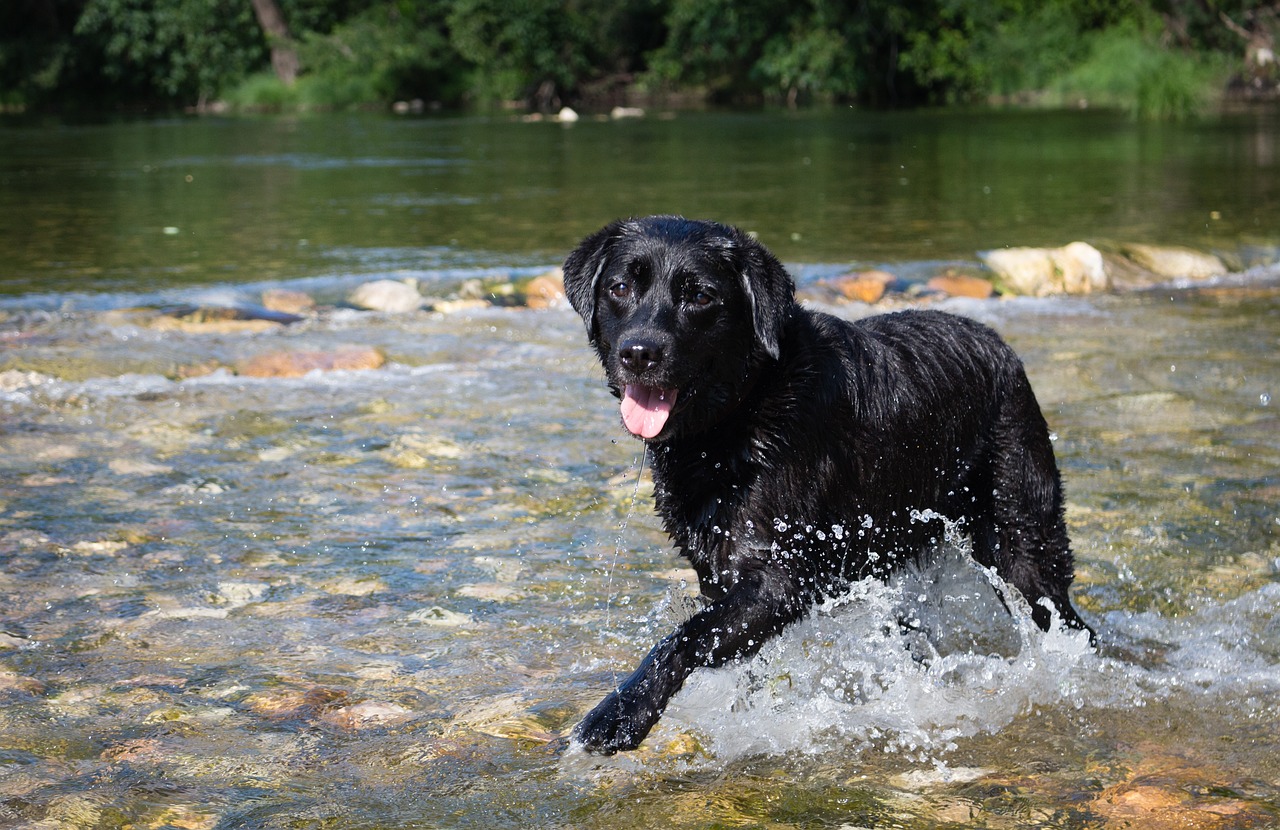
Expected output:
(288, 302)
(864, 287)
(962, 285)
(297, 364)
(132, 750)
(1170, 793)
(545, 291)
(293, 703)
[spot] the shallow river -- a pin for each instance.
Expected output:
(379, 598)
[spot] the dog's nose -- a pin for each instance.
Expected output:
(639, 355)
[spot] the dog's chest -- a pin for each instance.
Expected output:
(701, 501)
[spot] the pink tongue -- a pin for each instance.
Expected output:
(645, 409)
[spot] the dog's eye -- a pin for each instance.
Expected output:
(620, 290)
(699, 297)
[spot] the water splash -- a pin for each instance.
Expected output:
(909, 667)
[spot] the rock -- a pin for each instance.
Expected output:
(567, 115)
(618, 113)
(187, 371)
(1077, 268)
(14, 380)
(299, 363)
(545, 291)
(962, 285)
(490, 592)
(416, 451)
(455, 306)
(137, 467)
(288, 302)
(292, 703)
(1082, 268)
(440, 617)
(215, 319)
(133, 749)
(1173, 262)
(391, 296)
(367, 715)
(1166, 793)
(864, 287)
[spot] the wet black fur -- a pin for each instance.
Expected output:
(801, 446)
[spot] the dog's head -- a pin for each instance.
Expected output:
(680, 313)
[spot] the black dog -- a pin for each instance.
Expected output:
(794, 453)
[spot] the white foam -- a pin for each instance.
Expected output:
(908, 667)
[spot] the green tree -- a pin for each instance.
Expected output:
(177, 50)
(390, 50)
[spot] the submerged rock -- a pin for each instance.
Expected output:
(288, 301)
(1175, 262)
(15, 380)
(295, 364)
(195, 319)
(1077, 268)
(391, 296)
(369, 714)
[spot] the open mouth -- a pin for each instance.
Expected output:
(645, 409)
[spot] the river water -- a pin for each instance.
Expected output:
(379, 598)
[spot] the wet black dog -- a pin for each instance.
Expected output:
(793, 452)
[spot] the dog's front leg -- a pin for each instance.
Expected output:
(758, 606)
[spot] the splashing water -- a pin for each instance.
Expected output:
(909, 666)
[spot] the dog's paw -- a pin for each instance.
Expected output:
(617, 724)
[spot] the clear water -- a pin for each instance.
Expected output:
(379, 599)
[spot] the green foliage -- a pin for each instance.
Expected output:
(172, 49)
(715, 44)
(1129, 69)
(1154, 57)
(388, 51)
(982, 48)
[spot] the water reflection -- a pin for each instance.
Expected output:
(292, 198)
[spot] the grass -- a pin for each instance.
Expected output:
(1127, 69)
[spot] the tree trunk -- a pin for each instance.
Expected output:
(284, 58)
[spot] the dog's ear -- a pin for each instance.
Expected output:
(769, 289)
(582, 270)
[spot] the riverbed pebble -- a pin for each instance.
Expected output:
(369, 714)
(442, 617)
(288, 301)
(296, 364)
(15, 380)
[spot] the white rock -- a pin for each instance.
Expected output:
(1175, 262)
(1077, 268)
(390, 296)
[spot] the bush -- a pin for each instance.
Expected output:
(262, 91)
(1128, 69)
